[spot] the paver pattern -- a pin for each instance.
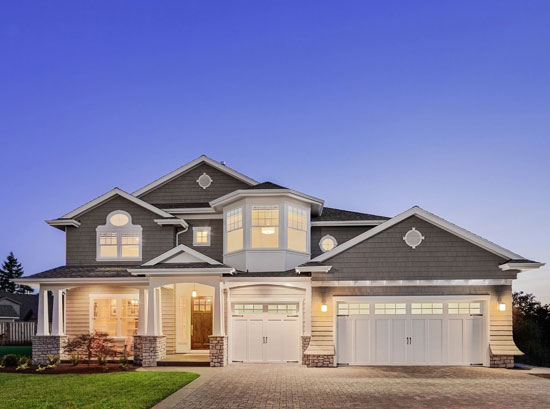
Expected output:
(276, 386)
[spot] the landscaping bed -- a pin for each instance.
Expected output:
(61, 369)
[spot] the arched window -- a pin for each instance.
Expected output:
(118, 239)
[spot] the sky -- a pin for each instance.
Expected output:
(372, 106)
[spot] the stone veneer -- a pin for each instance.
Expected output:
(148, 350)
(305, 343)
(502, 361)
(218, 350)
(324, 361)
(44, 345)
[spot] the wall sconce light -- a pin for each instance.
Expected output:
(501, 306)
(324, 308)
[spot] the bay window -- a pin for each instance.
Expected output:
(297, 229)
(116, 315)
(234, 228)
(265, 227)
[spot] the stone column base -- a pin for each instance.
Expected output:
(148, 350)
(305, 343)
(502, 361)
(218, 350)
(320, 361)
(44, 345)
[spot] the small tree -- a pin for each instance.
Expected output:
(91, 345)
(12, 268)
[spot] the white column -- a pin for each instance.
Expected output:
(217, 310)
(307, 311)
(151, 312)
(142, 319)
(57, 313)
(43, 326)
(159, 311)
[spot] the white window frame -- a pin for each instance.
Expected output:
(327, 236)
(299, 209)
(201, 229)
(129, 228)
(118, 298)
(278, 226)
(227, 229)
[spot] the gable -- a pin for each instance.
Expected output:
(181, 255)
(184, 189)
(441, 255)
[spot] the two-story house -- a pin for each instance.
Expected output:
(206, 260)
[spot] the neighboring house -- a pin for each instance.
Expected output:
(18, 307)
(208, 259)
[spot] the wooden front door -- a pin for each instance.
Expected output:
(201, 322)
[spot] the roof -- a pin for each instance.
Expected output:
(28, 304)
(7, 311)
(182, 205)
(288, 273)
(180, 266)
(85, 271)
(266, 185)
(190, 165)
(332, 214)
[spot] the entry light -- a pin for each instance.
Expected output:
(502, 306)
(268, 230)
(324, 308)
(194, 293)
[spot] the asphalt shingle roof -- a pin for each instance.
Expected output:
(7, 311)
(332, 214)
(85, 271)
(266, 185)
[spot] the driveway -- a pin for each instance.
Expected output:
(276, 386)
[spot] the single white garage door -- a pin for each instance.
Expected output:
(411, 333)
(265, 333)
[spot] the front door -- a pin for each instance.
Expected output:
(201, 322)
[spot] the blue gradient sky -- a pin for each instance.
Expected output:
(373, 107)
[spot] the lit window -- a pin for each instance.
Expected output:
(242, 309)
(234, 228)
(353, 309)
(288, 309)
(427, 308)
(297, 229)
(265, 227)
(201, 236)
(390, 309)
(117, 317)
(327, 243)
(119, 239)
(465, 308)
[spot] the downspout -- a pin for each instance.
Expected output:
(178, 235)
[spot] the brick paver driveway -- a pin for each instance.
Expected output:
(293, 386)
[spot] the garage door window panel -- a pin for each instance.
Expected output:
(353, 309)
(465, 308)
(390, 309)
(427, 308)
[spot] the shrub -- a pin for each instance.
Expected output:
(101, 359)
(10, 360)
(24, 360)
(40, 368)
(53, 360)
(90, 345)
(22, 367)
(75, 358)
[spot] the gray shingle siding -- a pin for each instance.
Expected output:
(185, 189)
(441, 255)
(215, 250)
(341, 234)
(390, 291)
(81, 241)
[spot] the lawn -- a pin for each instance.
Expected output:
(110, 390)
(16, 350)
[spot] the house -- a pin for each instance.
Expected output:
(18, 307)
(206, 260)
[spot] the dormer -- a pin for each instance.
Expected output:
(267, 227)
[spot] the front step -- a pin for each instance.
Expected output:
(183, 363)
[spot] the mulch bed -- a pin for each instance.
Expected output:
(61, 369)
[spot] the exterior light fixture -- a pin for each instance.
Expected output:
(194, 293)
(268, 230)
(501, 306)
(324, 308)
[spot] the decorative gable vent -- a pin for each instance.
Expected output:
(413, 238)
(204, 181)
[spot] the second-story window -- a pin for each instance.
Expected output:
(118, 239)
(265, 227)
(201, 236)
(297, 229)
(234, 228)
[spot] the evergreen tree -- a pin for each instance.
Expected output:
(12, 268)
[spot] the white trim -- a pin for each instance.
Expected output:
(201, 229)
(118, 298)
(67, 222)
(429, 217)
(182, 271)
(190, 210)
(110, 228)
(343, 223)
(208, 183)
(313, 269)
(110, 194)
(178, 249)
(172, 222)
(83, 281)
(327, 236)
(412, 283)
(190, 165)
(520, 266)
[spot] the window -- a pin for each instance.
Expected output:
(119, 239)
(234, 227)
(327, 243)
(242, 309)
(413, 238)
(288, 309)
(427, 308)
(464, 308)
(202, 304)
(390, 309)
(297, 229)
(115, 315)
(265, 227)
(201, 236)
(353, 309)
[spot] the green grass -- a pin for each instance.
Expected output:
(110, 390)
(17, 350)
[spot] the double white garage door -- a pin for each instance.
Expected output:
(411, 333)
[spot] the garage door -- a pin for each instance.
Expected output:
(410, 333)
(265, 333)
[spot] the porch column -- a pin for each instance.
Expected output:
(307, 311)
(218, 318)
(43, 325)
(159, 311)
(57, 314)
(142, 319)
(151, 312)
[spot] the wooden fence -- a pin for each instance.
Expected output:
(17, 333)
